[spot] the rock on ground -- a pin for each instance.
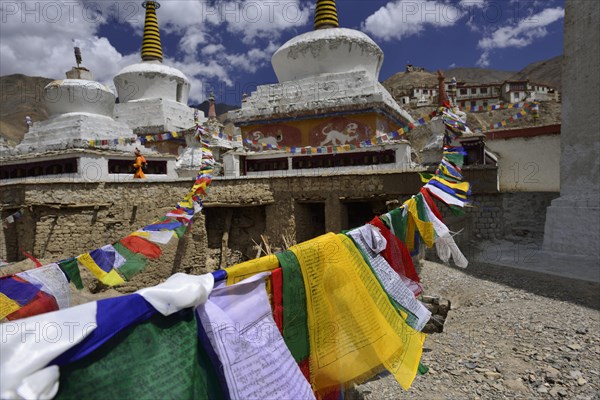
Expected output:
(510, 334)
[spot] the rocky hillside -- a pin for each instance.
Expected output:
(20, 95)
(547, 71)
(478, 75)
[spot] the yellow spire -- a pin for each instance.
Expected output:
(326, 15)
(151, 48)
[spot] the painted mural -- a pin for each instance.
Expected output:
(338, 132)
(275, 135)
(327, 131)
(385, 126)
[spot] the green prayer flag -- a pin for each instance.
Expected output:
(456, 159)
(134, 262)
(421, 208)
(295, 329)
(456, 210)
(71, 269)
(159, 359)
(399, 222)
(180, 231)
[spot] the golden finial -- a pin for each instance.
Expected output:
(326, 15)
(151, 48)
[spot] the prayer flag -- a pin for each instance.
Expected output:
(142, 246)
(343, 292)
(71, 270)
(111, 278)
(255, 366)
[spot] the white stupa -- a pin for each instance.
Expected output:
(80, 110)
(325, 71)
(152, 96)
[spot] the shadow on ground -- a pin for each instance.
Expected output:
(571, 290)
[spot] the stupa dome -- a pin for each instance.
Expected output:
(78, 96)
(151, 79)
(327, 51)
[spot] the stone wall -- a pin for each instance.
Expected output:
(501, 216)
(64, 219)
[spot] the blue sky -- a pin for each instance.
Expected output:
(227, 45)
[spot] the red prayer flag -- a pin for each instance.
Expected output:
(277, 287)
(142, 246)
(40, 304)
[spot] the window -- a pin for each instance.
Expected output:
(269, 164)
(126, 167)
(463, 91)
(41, 168)
(483, 90)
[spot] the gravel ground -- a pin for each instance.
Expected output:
(510, 334)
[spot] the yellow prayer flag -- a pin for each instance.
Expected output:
(239, 272)
(354, 329)
(462, 186)
(7, 306)
(425, 228)
(141, 234)
(111, 278)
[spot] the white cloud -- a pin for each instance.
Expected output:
(518, 35)
(472, 3)
(36, 36)
(211, 49)
(263, 19)
(403, 18)
(37, 39)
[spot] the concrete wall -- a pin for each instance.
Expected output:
(574, 219)
(529, 164)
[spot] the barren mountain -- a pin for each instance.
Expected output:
(20, 95)
(478, 75)
(547, 71)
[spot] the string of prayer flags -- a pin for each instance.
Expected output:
(113, 264)
(515, 117)
(160, 137)
(493, 107)
(112, 142)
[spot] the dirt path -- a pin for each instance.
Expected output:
(510, 334)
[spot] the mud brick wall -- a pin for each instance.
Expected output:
(64, 219)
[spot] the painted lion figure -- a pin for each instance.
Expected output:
(334, 137)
